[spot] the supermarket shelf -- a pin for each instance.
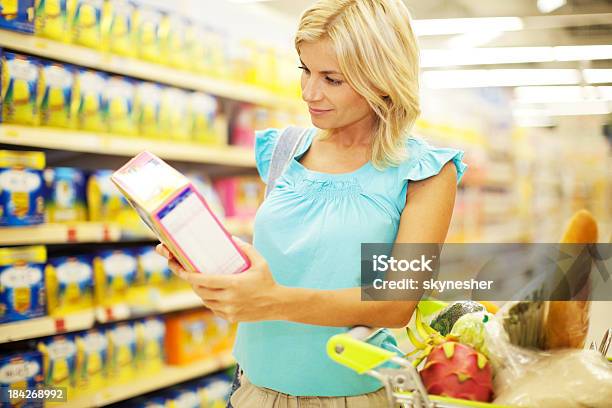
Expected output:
(168, 376)
(90, 232)
(182, 300)
(91, 58)
(83, 232)
(45, 326)
(113, 144)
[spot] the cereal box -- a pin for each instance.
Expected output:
(51, 19)
(66, 194)
(173, 208)
(22, 283)
(17, 15)
(69, 281)
(120, 94)
(22, 199)
(57, 107)
(20, 85)
(21, 371)
(90, 100)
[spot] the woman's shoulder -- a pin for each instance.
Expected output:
(425, 159)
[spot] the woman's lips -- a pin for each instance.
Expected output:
(318, 111)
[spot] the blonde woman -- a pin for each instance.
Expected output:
(359, 177)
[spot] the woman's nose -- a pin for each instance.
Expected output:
(311, 91)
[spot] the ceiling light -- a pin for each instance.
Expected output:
(512, 55)
(546, 6)
(447, 26)
(499, 77)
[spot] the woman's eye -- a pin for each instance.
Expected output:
(333, 81)
(303, 68)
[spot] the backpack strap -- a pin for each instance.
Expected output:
(284, 151)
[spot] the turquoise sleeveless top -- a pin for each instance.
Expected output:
(309, 229)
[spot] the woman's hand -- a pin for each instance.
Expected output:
(252, 295)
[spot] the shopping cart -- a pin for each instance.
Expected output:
(403, 385)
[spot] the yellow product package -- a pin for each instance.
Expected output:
(22, 283)
(119, 93)
(106, 203)
(204, 117)
(20, 88)
(117, 27)
(148, 32)
(122, 338)
(90, 99)
(69, 281)
(176, 41)
(60, 361)
(57, 107)
(51, 19)
(85, 18)
(147, 104)
(115, 272)
(150, 335)
(175, 115)
(93, 360)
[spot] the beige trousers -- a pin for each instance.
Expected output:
(252, 396)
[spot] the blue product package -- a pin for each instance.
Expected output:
(17, 15)
(22, 189)
(66, 194)
(60, 360)
(184, 397)
(22, 283)
(19, 371)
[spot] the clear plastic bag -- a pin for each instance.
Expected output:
(562, 378)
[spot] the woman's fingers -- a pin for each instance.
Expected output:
(164, 251)
(207, 294)
(177, 269)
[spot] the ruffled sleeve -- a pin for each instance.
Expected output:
(426, 160)
(265, 140)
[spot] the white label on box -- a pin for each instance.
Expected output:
(199, 236)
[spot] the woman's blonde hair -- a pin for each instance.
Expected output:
(378, 54)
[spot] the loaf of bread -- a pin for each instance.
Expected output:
(567, 322)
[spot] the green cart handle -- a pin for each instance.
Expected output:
(357, 355)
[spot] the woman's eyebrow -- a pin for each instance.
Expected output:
(326, 72)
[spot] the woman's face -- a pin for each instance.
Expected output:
(332, 102)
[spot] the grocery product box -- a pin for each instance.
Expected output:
(203, 116)
(22, 188)
(122, 342)
(17, 15)
(22, 283)
(85, 19)
(120, 92)
(175, 113)
(69, 282)
(118, 27)
(176, 41)
(20, 86)
(60, 361)
(51, 19)
(21, 371)
(93, 349)
(178, 214)
(147, 104)
(150, 334)
(104, 200)
(188, 336)
(152, 268)
(115, 271)
(66, 194)
(148, 32)
(90, 99)
(57, 107)
(241, 196)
